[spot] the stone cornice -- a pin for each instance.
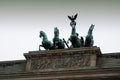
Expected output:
(61, 52)
(8, 63)
(85, 73)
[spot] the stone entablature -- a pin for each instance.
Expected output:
(64, 59)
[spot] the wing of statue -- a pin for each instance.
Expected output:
(70, 18)
(75, 16)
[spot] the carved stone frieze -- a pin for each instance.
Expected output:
(66, 59)
(79, 60)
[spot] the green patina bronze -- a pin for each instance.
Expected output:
(89, 38)
(58, 43)
(82, 42)
(48, 45)
(45, 42)
(74, 39)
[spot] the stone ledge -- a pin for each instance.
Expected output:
(5, 63)
(111, 55)
(74, 74)
(59, 52)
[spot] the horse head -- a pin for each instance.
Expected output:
(56, 31)
(89, 38)
(42, 33)
(91, 29)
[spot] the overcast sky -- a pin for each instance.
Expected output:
(22, 20)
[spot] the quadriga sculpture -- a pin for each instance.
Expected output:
(45, 42)
(58, 43)
(89, 38)
(76, 42)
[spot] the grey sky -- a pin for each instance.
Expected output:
(21, 21)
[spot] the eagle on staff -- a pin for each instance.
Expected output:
(72, 18)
